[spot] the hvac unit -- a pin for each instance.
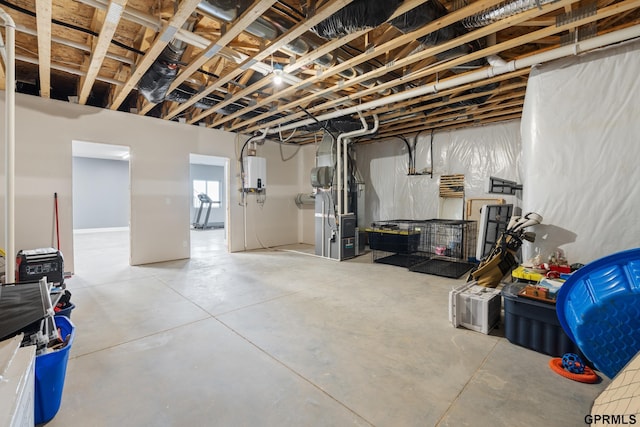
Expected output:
(255, 173)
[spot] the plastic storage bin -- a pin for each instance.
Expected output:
(66, 312)
(534, 324)
(51, 369)
(599, 308)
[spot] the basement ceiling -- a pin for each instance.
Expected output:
(214, 63)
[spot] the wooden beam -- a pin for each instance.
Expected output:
(376, 51)
(247, 18)
(305, 60)
(109, 26)
(615, 9)
(3, 64)
(43, 23)
(166, 35)
(295, 32)
(536, 23)
(426, 53)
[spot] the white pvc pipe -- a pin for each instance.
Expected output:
(10, 148)
(341, 137)
(486, 73)
(346, 142)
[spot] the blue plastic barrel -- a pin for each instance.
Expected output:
(50, 371)
(599, 308)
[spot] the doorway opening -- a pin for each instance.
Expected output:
(209, 203)
(101, 203)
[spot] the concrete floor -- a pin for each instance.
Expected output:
(279, 338)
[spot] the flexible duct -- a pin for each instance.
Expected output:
(429, 12)
(183, 93)
(228, 11)
(502, 11)
(357, 15)
(154, 84)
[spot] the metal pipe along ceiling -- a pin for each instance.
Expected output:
(486, 73)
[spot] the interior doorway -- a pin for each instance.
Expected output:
(209, 205)
(101, 198)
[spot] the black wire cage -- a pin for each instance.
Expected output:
(436, 246)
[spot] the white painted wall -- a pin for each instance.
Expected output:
(160, 187)
(306, 218)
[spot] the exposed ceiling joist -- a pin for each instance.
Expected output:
(109, 26)
(377, 50)
(411, 80)
(43, 19)
(166, 35)
(511, 43)
(249, 16)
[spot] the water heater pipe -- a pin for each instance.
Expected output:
(345, 157)
(346, 138)
(10, 146)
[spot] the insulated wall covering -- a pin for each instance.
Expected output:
(580, 155)
(478, 153)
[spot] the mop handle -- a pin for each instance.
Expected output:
(55, 198)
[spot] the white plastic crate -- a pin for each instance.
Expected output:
(474, 307)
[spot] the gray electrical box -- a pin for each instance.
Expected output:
(321, 177)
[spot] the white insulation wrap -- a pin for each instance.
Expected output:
(478, 153)
(580, 156)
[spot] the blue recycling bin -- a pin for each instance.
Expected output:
(66, 312)
(50, 371)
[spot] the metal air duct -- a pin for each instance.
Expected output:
(502, 11)
(228, 11)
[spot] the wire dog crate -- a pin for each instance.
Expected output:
(454, 240)
(446, 248)
(396, 242)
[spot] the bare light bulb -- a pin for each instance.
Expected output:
(277, 78)
(277, 74)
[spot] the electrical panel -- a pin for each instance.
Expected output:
(255, 173)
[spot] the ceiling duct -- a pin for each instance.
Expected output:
(228, 11)
(154, 83)
(429, 12)
(184, 92)
(356, 16)
(502, 11)
(335, 126)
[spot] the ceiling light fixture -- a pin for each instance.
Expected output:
(277, 74)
